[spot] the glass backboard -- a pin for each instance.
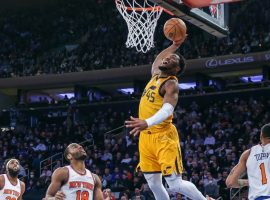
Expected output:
(213, 19)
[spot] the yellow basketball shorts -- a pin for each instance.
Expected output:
(160, 151)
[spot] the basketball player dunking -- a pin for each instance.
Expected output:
(256, 162)
(11, 188)
(74, 181)
(159, 146)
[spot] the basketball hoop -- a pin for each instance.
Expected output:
(141, 20)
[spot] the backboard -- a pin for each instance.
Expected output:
(213, 19)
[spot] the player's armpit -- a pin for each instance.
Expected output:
(59, 178)
(232, 180)
(171, 92)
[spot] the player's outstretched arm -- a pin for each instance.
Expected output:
(59, 177)
(233, 180)
(98, 195)
(22, 190)
(171, 49)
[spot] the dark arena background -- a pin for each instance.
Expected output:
(66, 76)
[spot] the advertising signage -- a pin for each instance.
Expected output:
(234, 62)
(212, 63)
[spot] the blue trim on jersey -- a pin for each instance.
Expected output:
(263, 197)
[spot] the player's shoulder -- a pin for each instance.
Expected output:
(61, 174)
(61, 171)
(245, 154)
(172, 80)
(96, 179)
(94, 175)
(22, 185)
(171, 84)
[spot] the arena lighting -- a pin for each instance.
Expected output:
(257, 78)
(5, 129)
(126, 90)
(69, 95)
(186, 86)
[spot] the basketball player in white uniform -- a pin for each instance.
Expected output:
(11, 188)
(74, 182)
(256, 162)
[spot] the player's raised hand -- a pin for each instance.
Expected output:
(179, 42)
(136, 124)
(60, 196)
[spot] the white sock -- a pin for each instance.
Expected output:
(177, 184)
(155, 184)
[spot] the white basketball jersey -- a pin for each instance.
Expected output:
(79, 187)
(10, 192)
(258, 170)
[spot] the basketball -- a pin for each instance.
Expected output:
(174, 29)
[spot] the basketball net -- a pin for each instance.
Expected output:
(141, 20)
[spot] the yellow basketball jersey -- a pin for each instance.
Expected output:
(152, 101)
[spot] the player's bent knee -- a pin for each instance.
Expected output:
(154, 181)
(174, 186)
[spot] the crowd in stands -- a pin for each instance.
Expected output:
(212, 136)
(87, 35)
(97, 96)
(72, 36)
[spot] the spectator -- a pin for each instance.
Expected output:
(106, 156)
(210, 140)
(206, 166)
(177, 197)
(211, 188)
(40, 147)
(137, 195)
(107, 193)
(127, 159)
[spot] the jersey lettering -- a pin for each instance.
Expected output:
(13, 192)
(80, 184)
(10, 198)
